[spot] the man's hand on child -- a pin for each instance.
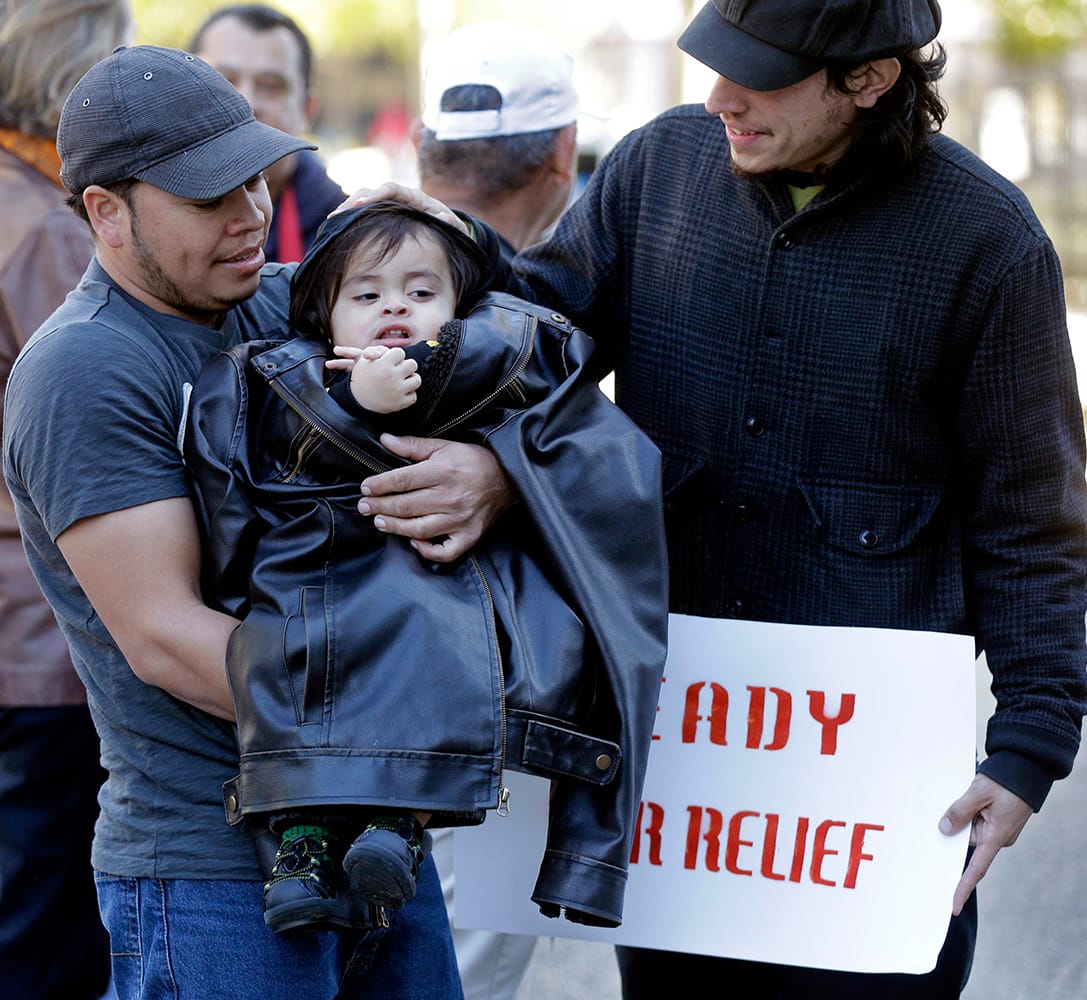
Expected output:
(412, 197)
(383, 379)
(445, 501)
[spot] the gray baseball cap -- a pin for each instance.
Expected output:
(773, 44)
(165, 117)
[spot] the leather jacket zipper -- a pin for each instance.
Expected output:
(503, 791)
(315, 433)
(511, 379)
(311, 437)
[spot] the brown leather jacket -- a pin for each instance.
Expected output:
(44, 250)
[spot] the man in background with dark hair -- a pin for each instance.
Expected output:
(499, 135)
(268, 57)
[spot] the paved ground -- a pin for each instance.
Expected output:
(1033, 924)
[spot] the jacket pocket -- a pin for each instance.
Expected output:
(678, 471)
(305, 655)
(866, 519)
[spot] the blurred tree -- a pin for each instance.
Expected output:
(1036, 30)
(333, 26)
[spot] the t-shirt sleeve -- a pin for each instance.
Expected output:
(92, 423)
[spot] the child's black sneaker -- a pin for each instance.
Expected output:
(382, 864)
(301, 894)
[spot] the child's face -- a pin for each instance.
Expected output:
(401, 301)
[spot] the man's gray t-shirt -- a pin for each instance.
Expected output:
(93, 413)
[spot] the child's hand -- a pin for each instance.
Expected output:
(347, 356)
(383, 379)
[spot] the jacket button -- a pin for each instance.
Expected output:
(735, 608)
(603, 762)
(745, 513)
(755, 426)
(869, 538)
(783, 241)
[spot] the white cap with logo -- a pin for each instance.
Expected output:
(532, 75)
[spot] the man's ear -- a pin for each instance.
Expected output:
(561, 162)
(310, 107)
(873, 80)
(415, 133)
(108, 214)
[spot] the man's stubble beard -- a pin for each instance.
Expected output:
(163, 287)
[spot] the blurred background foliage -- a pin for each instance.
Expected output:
(334, 26)
(1025, 29)
(1016, 83)
(1036, 30)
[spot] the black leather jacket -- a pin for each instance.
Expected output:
(365, 675)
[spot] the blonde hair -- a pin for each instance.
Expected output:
(45, 47)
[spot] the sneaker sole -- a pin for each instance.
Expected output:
(301, 916)
(379, 875)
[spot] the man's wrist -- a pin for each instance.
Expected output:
(1020, 775)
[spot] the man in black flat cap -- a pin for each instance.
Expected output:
(164, 159)
(847, 335)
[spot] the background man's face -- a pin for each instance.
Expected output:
(265, 66)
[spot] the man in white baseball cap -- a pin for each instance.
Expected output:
(499, 127)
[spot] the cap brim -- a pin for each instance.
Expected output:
(740, 57)
(224, 162)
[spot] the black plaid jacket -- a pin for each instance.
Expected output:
(867, 410)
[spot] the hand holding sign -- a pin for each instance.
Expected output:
(996, 817)
(791, 805)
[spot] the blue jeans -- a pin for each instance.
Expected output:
(206, 940)
(52, 943)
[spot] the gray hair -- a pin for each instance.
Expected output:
(45, 47)
(493, 166)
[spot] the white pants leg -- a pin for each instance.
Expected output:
(491, 964)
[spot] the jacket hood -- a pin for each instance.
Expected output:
(336, 225)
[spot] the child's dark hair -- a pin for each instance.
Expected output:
(382, 227)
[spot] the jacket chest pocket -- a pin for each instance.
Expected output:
(869, 520)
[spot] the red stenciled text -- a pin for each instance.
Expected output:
(706, 716)
(748, 843)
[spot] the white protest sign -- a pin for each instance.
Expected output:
(790, 809)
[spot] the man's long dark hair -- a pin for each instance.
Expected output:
(892, 133)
